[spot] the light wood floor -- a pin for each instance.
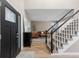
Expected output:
(39, 48)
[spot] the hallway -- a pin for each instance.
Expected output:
(37, 50)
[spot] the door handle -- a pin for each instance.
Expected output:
(17, 35)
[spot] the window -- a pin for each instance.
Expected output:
(9, 15)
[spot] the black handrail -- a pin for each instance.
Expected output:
(60, 19)
(66, 21)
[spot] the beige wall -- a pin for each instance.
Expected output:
(41, 25)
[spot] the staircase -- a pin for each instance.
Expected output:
(61, 38)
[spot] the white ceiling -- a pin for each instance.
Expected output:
(45, 14)
(48, 10)
(51, 4)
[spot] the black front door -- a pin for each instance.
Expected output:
(9, 30)
(9, 34)
(5, 41)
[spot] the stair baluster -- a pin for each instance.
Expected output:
(59, 37)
